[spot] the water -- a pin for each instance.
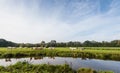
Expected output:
(75, 63)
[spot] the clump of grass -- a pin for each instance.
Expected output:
(26, 67)
(86, 70)
(7, 55)
(105, 72)
(20, 55)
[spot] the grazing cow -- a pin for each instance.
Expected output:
(37, 48)
(11, 47)
(33, 48)
(81, 48)
(51, 48)
(20, 47)
(40, 48)
(72, 48)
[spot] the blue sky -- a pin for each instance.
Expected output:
(62, 20)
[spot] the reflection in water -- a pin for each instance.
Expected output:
(30, 58)
(52, 57)
(38, 58)
(7, 60)
(74, 63)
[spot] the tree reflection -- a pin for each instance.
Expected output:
(7, 60)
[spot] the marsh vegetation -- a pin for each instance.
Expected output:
(25, 67)
(88, 52)
(105, 53)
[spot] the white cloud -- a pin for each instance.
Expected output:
(30, 24)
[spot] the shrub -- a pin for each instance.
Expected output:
(8, 55)
(86, 70)
(20, 55)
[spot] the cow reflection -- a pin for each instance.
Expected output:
(30, 58)
(38, 58)
(52, 57)
(8, 60)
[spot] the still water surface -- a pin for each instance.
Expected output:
(75, 63)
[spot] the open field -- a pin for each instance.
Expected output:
(111, 53)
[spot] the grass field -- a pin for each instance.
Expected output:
(112, 53)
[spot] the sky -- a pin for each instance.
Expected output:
(32, 21)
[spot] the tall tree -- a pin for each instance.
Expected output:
(42, 43)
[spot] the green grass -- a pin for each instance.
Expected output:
(89, 52)
(25, 67)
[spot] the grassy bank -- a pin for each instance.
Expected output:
(25, 67)
(88, 52)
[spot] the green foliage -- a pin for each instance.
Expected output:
(25, 67)
(53, 43)
(88, 52)
(86, 70)
(7, 55)
(105, 72)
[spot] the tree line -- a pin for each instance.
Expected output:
(53, 43)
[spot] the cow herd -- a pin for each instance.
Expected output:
(41, 48)
(74, 48)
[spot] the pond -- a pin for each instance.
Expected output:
(74, 63)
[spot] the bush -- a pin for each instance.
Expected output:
(25, 67)
(105, 72)
(8, 55)
(20, 55)
(86, 70)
